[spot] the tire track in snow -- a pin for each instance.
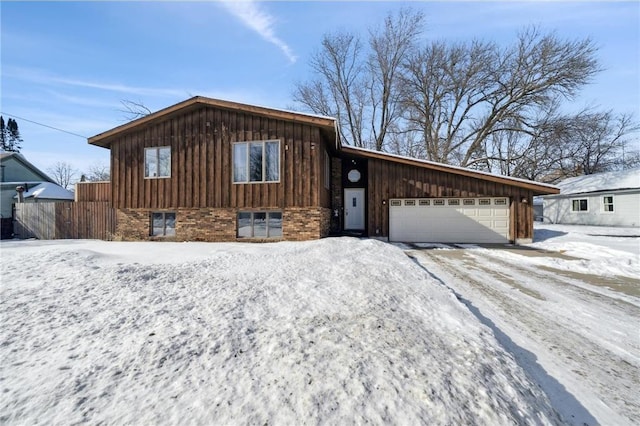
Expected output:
(590, 367)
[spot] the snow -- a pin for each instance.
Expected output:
(49, 191)
(340, 330)
(609, 181)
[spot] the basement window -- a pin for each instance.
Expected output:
(259, 225)
(579, 205)
(163, 224)
(607, 205)
(157, 162)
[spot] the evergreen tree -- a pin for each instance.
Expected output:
(10, 139)
(15, 140)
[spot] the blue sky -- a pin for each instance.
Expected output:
(69, 64)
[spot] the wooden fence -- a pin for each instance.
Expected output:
(93, 191)
(64, 220)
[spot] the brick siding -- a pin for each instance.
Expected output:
(210, 224)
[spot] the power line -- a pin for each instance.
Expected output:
(44, 125)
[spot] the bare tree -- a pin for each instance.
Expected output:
(63, 173)
(97, 172)
(459, 95)
(358, 86)
(134, 109)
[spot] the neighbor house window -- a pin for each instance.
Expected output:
(259, 224)
(157, 162)
(607, 203)
(256, 161)
(579, 205)
(163, 224)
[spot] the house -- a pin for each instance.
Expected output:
(16, 171)
(609, 199)
(214, 170)
(45, 192)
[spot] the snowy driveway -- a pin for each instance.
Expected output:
(575, 333)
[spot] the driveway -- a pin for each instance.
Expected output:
(575, 334)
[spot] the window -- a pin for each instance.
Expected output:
(327, 170)
(607, 203)
(259, 224)
(453, 202)
(500, 201)
(256, 161)
(157, 162)
(484, 202)
(579, 205)
(409, 202)
(424, 202)
(438, 202)
(163, 224)
(469, 202)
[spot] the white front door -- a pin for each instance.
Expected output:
(354, 208)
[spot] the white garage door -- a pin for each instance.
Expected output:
(449, 220)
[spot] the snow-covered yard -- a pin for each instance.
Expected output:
(339, 330)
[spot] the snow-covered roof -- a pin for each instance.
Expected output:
(609, 181)
(49, 191)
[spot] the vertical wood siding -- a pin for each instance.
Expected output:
(201, 141)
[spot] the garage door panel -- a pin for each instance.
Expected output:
(449, 222)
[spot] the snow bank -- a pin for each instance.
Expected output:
(331, 331)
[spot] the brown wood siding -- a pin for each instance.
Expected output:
(201, 141)
(388, 179)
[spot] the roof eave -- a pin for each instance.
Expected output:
(104, 139)
(535, 187)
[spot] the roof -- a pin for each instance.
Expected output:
(537, 187)
(104, 139)
(48, 191)
(5, 156)
(609, 181)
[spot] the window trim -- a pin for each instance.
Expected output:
(157, 150)
(579, 200)
(327, 170)
(248, 163)
(605, 204)
(252, 213)
(164, 224)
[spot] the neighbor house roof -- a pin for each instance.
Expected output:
(609, 181)
(5, 156)
(48, 191)
(104, 139)
(536, 187)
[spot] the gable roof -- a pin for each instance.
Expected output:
(609, 181)
(48, 191)
(104, 139)
(16, 156)
(537, 187)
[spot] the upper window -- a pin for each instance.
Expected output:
(157, 162)
(256, 161)
(607, 203)
(579, 205)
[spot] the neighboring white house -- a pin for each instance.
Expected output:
(46, 192)
(609, 199)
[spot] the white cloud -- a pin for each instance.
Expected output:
(260, 21)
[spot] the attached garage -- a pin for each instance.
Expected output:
(449, 220)
(412, 200)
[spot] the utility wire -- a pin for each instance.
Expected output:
(44, 125)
